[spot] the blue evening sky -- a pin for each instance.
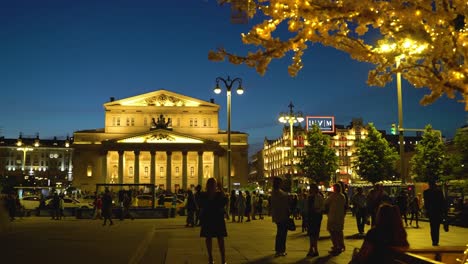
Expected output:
(61, 60)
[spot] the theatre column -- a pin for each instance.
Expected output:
(104, 167)
(216, 167)
(153, 167)
(184, 170)
(200, 167)
(121, 169)
(168, 170)
(136, 172)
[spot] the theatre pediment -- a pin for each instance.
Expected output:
(161, 98)
(161, 137)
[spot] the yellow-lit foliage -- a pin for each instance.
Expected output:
(429, 36)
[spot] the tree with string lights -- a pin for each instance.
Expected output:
(429, 38)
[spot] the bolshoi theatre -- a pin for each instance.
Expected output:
(163, 138)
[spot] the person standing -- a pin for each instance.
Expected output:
(303, 207)
(55, 206)
(402, 203)
(359, 202)
(97, 207)
(336, 205)
(254, 205)
(315, 206)
(61, 207)
(259, 206)
(191, 207)
(248, 205)
(240, 207)
(107, 207)
(232, 205)
(280, 215)
(11, 206)
(436, 209)
(212, 204)
(197, 202)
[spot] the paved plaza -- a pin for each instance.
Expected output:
(41, 240)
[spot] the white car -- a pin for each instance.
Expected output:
(71, 203)
(30, 202)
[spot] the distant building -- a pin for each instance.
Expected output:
(32, 161)
(344, 139)
(163, 138)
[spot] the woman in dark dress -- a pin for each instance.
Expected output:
(233, 205)
(248, 205)
(212, 204)
(386, 237)
(315, 206)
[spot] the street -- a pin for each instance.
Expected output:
(41, 240)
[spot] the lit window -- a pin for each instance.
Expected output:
(204, 122)
(191, 122)
(118, 121)
(128, 121)
(132, 121)
(130, 171)
(146, 171)
(113, 121)
(89, 171)
(195, 122)
(161, 171)
(209, 122)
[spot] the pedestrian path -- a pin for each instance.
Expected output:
(253, 242)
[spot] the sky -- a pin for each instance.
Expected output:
(60, 61)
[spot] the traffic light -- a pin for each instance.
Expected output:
(393, 130)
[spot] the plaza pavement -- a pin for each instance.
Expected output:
(41, 240)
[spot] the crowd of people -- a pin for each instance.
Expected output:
(211, 208)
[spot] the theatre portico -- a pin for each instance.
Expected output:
(162, 138)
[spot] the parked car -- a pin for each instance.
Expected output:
(30, 202)
(71, 203)
(180, 205)
(143, 200)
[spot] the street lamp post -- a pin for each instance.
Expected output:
(228, 83)
(401, 137)
(409, 47)
(291, 117)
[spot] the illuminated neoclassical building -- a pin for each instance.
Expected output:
(162, 138)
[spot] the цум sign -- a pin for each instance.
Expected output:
(325, 123)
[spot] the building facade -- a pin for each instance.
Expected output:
(31, 161)
(162, 138)
(277, 158)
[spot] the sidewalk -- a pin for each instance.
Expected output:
(253, 242)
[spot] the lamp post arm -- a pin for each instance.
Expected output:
(228, 83)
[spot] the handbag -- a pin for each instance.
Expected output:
(291, 225)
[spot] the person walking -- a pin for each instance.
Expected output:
(402, 203)
(240, 207)
(374, 199)
(126, 203)
(280, 215)
(336, 205)
(436, 209)
(315, 206)
(107, 207)
(232, 205)
(359, 202)
(248, 205)
(212, 204)
(191, 207)
(414, 208)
